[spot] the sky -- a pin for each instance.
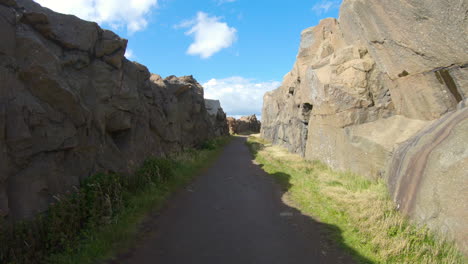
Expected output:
(236, 49)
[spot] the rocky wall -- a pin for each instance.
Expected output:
(217, 117)
(365, 85)
(428, 176)
(72, 105)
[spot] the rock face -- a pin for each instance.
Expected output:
(244, 125)
(376, 93)
(428, 176)
(217, 117)
(71, 105)
(232, 124)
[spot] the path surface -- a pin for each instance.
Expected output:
(233, 213)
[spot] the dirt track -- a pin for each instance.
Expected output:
(233, 213)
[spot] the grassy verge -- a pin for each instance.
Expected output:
(101, 218)
(368, 224)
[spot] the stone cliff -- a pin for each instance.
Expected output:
(72, 105)
(382, 92)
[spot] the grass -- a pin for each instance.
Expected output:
(368, 223)
(103, 216)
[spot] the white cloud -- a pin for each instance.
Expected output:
(323, 6)
(131, 14)
(210, 35)
(129, 54)
(239, 96)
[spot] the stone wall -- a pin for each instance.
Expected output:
(72, 105)
(365, 91)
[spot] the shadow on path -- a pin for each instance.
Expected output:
(234, 213)
(330, 235)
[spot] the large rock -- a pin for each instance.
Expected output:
(244, 125)
(333, 84)
(428, 176)
(232, 125)
(217, 117)
(374, 92)
(71, 105)
(413, 36)
(364, 149)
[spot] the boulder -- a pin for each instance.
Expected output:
(71, 106)
(244, 125)
(248, 124)
(217, 117)
(232, 125)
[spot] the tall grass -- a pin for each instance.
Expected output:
(369, 222)
(93, 222)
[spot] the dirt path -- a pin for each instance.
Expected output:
(233, 213)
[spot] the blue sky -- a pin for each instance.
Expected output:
(237, 49)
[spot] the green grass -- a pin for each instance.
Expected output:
(103, 217)
(367, 223)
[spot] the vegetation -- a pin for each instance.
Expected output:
(103, 215)
(369, 225)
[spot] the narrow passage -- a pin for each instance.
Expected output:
(233, 213)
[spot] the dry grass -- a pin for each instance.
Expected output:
(371, 227)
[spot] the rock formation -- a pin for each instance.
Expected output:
(232, 125)
(217, 117)
(244, 125)
(376, 92)
(71, 105)
(428, 175)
